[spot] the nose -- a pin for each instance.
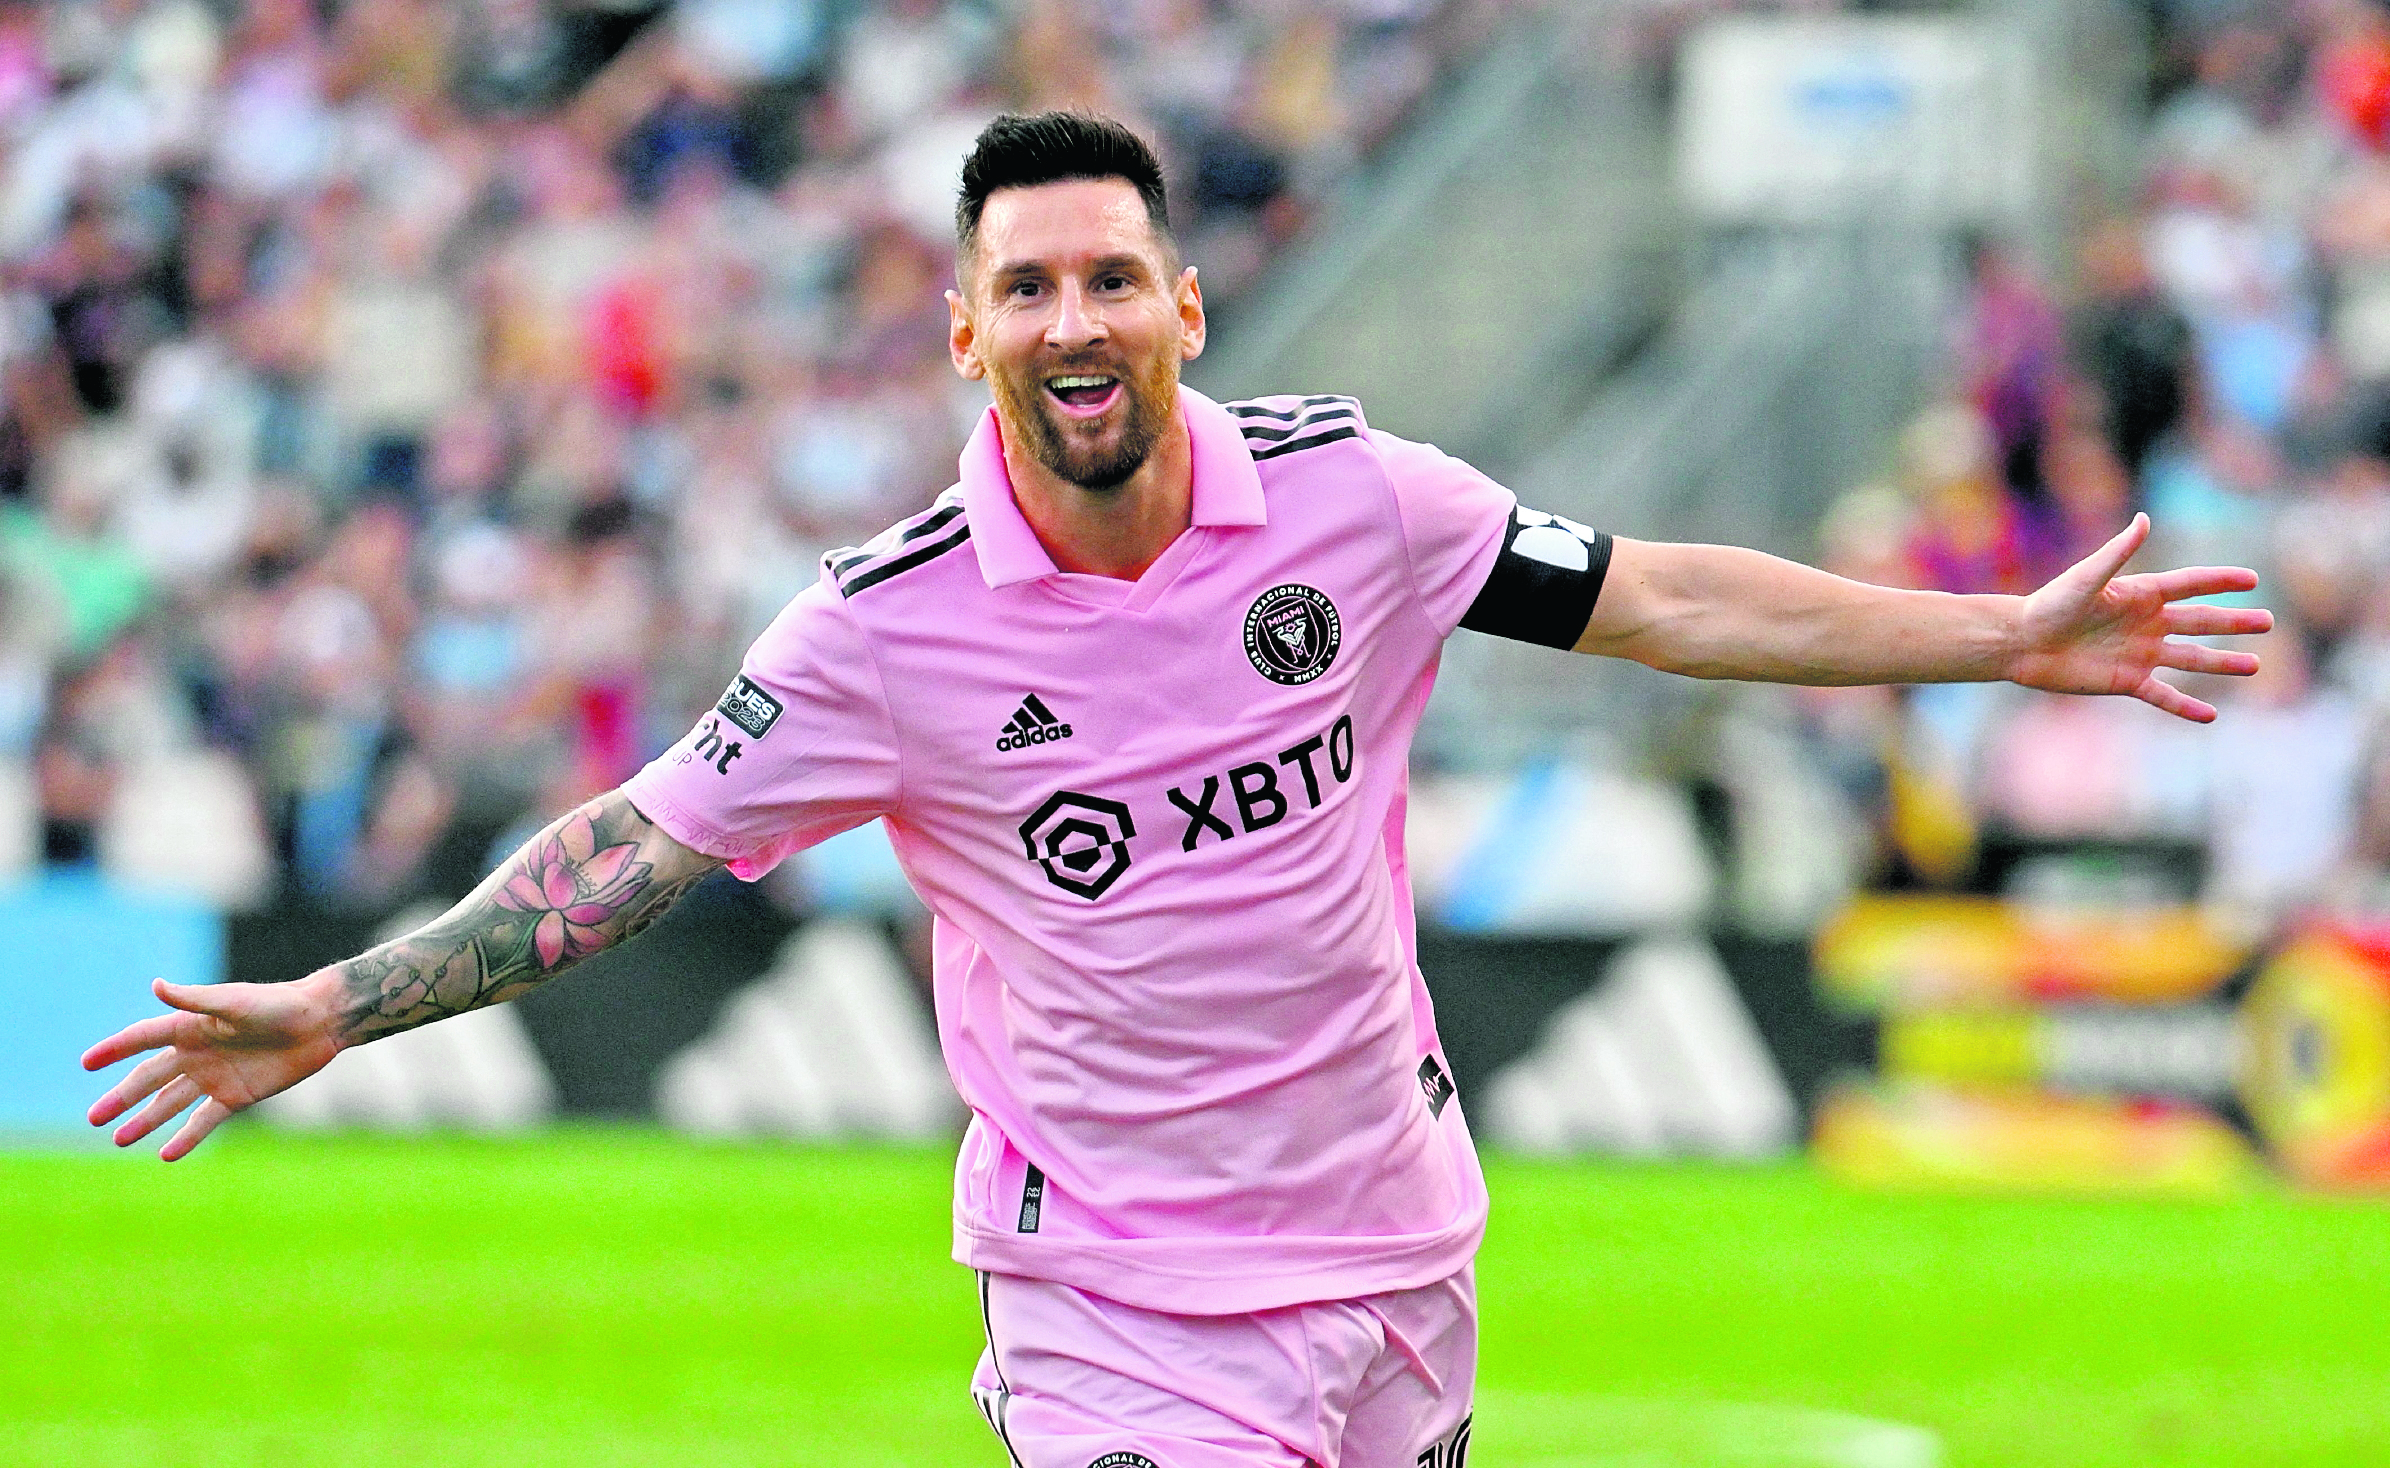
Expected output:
(1076, 324)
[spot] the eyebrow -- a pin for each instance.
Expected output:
(1013, 269)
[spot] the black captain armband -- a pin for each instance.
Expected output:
(1544, 582)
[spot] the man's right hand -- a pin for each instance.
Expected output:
(227, 1046)
(596, 876)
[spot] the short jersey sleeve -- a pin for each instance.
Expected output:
(1453, 522)
(800, 748)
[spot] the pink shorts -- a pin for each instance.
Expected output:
(1073, 1380)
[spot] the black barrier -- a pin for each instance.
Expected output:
(607, 1030)
(1495, 995)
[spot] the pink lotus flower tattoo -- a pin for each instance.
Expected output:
(573, 888)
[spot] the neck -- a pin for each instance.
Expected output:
(1113, 532)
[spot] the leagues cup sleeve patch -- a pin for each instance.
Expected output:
(1544, 582)
(1292, 633)
(748, 706)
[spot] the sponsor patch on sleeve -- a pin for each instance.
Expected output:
(748, 706)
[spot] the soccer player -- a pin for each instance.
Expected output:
(1134, 699)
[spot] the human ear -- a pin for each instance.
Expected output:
(962, 339)
(1192, 328)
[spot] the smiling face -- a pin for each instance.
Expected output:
(1075, 311)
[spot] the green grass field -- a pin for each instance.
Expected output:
(618, 1297)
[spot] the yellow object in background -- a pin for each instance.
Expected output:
(1962, 1047)
(1910, 953)
(2029, 1141)
(1931, 822)
(2317, 1077)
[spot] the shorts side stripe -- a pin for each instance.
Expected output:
(987, 1325)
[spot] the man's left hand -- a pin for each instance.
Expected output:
(2093, 631)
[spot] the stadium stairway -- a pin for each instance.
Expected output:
(1475, 288)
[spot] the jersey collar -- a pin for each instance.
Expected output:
(1226, 491)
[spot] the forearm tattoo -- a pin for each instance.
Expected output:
(600, 875)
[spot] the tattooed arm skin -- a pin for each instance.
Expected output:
(600, 875)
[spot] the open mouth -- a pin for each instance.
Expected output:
(1083, 395)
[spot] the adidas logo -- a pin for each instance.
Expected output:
(1032, 723)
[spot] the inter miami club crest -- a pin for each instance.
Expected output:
(1292, 634)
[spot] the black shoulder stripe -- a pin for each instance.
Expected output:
(1337, 435)
(1273, 435)
(843, 561)
(1301, 407)
(864, 580)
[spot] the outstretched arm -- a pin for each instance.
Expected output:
(1718, 612)
(601, 874)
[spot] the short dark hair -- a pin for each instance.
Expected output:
(1023, 150)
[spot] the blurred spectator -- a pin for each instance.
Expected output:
(95, 579)
(29, 638)
(99, 291)
(2210, 490)
(2285, 787)
(422, 404)
(1970, 532)
(2361, 882)
(2133, 343)
(2332, 546)
(2060, 767)
(598, 615)
(2012, 354)
(2087, 496)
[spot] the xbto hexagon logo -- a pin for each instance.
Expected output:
(1082, 841)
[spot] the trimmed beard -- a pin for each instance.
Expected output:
(1047, 435)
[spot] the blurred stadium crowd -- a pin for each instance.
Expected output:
(2219, 355)
(413, 408)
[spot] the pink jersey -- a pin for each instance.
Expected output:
(1160, 826)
